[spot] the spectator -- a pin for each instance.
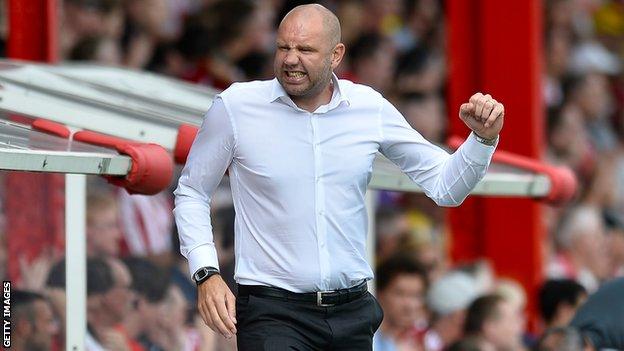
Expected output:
(176, 328)
(447, 299)
(231, 31)
(108, 303)
(84, 18)
(102, 50)
(401, 287)
(558, 301)
(391, 226)
(494, 320)
(569, 142)
(103, 233)
(32, 322)
(145, 323)
(55, 291)
(590, 92)
(582, 248)
(372, 61)
(426, 114)
(420, 71)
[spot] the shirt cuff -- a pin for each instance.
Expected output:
(202, 256)
(477, 152)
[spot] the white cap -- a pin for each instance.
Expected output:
(592, 56)
(452, 292)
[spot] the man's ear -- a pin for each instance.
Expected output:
(337, 55)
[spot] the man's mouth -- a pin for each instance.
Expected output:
(295, 74)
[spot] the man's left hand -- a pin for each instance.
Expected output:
(483, 115)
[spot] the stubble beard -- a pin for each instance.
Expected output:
(313, 88)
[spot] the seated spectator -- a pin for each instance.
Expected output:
(426, 114)
(447, 299)
(55, 291)
(177, 329)
(84, 18)
(391, 225)
(150, 284)
(372, 61)
(558, 301)
(33, 324)
(102, 50)
(109, 299)
(494, 320)
(401, 287)
(420, 71)
(103, 233)
(582, 245)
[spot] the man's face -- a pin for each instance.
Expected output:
(403, 301)
(103, 233)
(118, 300)
(303, 60)
(44, 327)
(505, 332)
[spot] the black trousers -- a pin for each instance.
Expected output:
(272, 324)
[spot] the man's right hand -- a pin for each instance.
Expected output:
(217, 306)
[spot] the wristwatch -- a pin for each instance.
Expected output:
(203, 274)
(484, 141)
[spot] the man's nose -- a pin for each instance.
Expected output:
(291, 59)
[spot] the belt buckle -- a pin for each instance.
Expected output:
(319, 299)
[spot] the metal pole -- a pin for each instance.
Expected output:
(75, 262)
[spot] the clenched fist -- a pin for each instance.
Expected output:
(483, 115)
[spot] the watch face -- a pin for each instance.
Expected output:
(201, 274)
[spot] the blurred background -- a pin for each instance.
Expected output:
(433, 292)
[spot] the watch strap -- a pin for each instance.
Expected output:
(202, 274)
(484, 141)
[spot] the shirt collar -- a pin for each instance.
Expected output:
(340, 93)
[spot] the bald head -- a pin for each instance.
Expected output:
(317, 12)
(308, 49)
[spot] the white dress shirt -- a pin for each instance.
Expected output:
(298, 181)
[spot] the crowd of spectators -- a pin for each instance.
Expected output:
(139, 294)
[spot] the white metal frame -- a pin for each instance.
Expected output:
(75, 261)
(64, 162)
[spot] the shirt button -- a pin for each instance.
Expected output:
(322, 213)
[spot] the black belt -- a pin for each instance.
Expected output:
(319, 298)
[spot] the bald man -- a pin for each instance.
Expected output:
(299, 150)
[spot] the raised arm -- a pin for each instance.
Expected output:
(446, 179)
